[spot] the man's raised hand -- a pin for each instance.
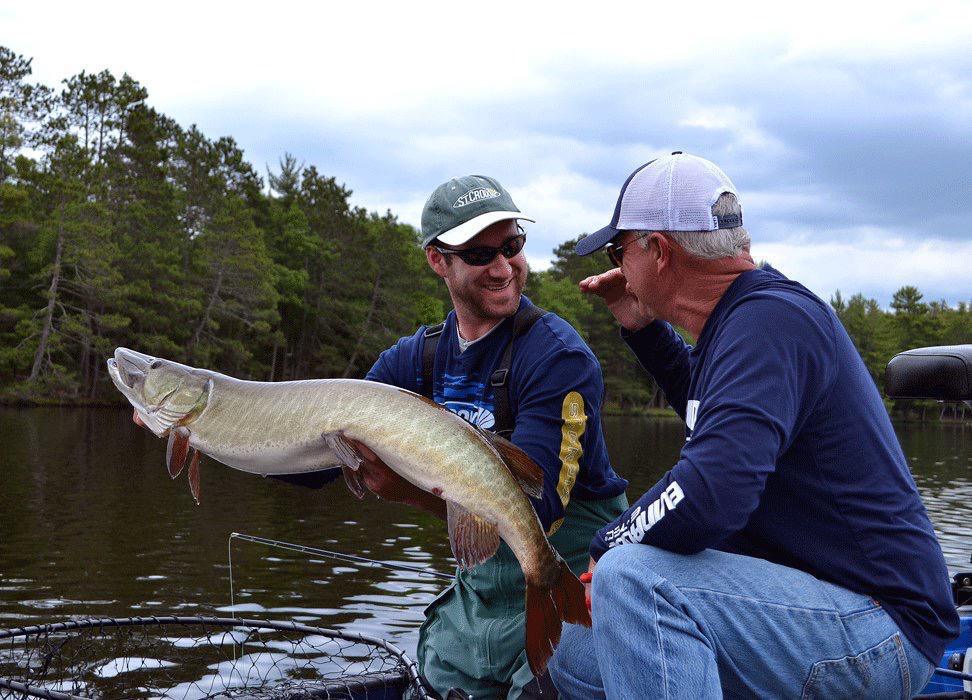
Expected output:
(385, 483)
(613, 288)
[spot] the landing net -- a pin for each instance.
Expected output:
(200, 657)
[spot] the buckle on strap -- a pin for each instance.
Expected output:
(499, 377)
(435, 330)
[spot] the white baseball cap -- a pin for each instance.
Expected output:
(671, 193)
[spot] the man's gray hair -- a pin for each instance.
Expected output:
(712, 245)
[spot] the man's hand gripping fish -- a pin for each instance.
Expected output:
(299, 429)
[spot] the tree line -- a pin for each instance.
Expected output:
(120, 227)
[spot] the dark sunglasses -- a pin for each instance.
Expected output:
(484, 255)
(615, 251)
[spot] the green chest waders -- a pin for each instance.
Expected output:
(474, 632)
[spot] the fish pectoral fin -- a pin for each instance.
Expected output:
(473, 539)
(346, 454)
(177, 450)
(194, 475)
(355, 482)
(350, 460)
(525, 471)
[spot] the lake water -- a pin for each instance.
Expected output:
(92, 525)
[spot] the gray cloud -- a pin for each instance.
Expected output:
(820, 149)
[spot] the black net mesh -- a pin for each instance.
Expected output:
(196, 657)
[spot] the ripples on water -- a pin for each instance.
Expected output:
(941, 461)
(92, 526)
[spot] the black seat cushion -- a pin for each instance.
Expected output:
(943, 372)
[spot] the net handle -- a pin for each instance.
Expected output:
(36, 692)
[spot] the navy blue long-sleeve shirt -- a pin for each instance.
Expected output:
(555, 391)
(789, 456)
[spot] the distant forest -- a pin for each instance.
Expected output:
(119, 226)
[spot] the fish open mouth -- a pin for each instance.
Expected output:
(124, 374)
(130, 365)
(127, 370)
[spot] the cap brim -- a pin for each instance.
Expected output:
(463, 232)
(595, 241)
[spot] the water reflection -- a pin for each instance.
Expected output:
(92, 525)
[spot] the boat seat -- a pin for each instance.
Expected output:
(943, 372)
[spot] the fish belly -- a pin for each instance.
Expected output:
(266, 436)
(264, 460)
(482, 484)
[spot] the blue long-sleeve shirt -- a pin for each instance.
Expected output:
(555, 393)
(789, 456)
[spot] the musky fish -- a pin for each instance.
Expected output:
(299, 431)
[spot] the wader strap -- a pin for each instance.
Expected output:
(432, 335)
(500, 379)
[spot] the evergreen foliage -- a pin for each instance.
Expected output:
(120, 227)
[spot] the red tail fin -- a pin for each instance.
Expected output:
(570, 598)
(545, 608)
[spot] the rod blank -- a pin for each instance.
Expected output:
(341, 556)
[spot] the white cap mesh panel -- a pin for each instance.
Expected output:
(673, 193)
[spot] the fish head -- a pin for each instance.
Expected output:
(164, 393)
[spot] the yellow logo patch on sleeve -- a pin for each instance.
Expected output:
(575, 421)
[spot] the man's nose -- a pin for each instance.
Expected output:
(500, 266)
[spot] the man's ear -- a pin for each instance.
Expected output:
(437, 261)
(662, 247)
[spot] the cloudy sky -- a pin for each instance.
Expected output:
(847, 128)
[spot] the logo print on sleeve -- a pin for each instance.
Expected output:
(642, 520)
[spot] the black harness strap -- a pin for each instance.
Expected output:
(432, 335)
(499, 380)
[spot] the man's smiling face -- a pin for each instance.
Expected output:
(490, 292)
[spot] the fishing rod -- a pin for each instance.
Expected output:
(340, 556)
(304, 549)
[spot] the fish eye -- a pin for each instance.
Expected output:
(156, 364)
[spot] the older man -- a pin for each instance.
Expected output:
(507, 366)
(787, 553)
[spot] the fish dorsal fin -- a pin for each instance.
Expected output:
(526, 472)
(473, 539)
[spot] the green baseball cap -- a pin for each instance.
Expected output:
(462, 207)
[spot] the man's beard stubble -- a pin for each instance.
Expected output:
(472, 302)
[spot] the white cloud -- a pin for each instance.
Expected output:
(870, 31)
(565, 204)
(875, 263)
(742, 126)
(845, 126)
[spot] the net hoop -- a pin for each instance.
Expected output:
(414, 679)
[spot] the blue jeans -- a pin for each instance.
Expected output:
(711, 624)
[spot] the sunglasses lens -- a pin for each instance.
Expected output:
(513, 246)
(614, 255)
(478, 256)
